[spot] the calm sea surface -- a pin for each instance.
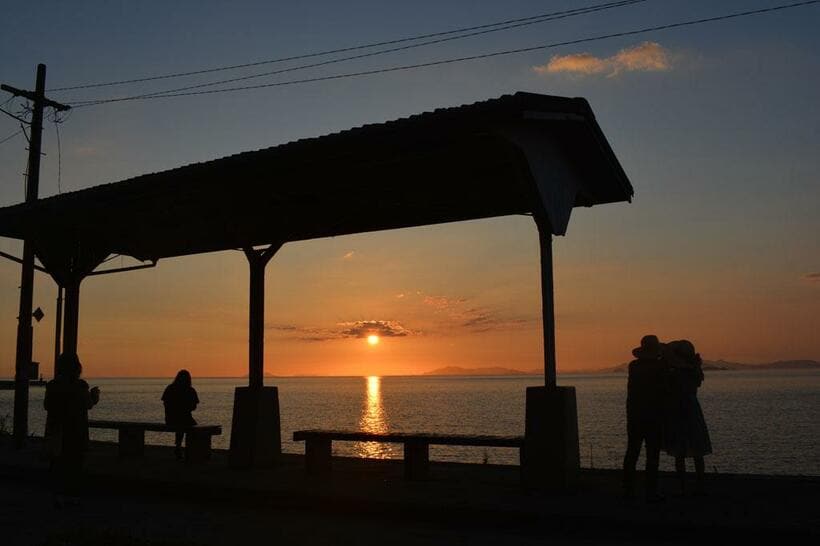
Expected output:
(760, 422)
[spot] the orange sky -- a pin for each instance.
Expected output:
(462, 294)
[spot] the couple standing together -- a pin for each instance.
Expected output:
(662, 411)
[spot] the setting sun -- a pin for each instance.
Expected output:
(373, 339)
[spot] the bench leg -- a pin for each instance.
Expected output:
(197, 447)
(318, 456)
(131, 442)
(416, 460)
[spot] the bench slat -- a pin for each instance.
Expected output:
(153, 427)
(404, 437)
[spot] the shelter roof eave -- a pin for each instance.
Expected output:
(517, 154)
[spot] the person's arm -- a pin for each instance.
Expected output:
(94, 397)
(194, 399)
(91, 396)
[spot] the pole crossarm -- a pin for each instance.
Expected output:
(34, 97)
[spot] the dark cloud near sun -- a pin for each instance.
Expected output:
(346, 330)
(812, 277)
(447, 315)
(382, 328)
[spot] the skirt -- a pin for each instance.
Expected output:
(685, 433)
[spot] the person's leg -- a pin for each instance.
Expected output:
(653, 455)
(179, 436)
(700, 471)
(633, 451)
(680, 472)
(72, 473)
(57, 476)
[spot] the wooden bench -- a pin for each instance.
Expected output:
(132, 437)
(318, 446)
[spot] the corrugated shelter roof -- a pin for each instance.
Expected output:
(517, 154)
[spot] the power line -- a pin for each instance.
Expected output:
(570, 13)
(645, 30)
(11, 136)
(18, 118)
(534, 18)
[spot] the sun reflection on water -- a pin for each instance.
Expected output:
(373, 419)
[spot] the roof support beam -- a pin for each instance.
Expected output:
(257, 260)
(71, 317)
(547, 299)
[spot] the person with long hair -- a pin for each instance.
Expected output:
(180, 399)
(67, 401)
(685, 432)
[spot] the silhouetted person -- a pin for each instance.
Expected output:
(180, 400)
(685, 431)
(67, 402)
(645, 399)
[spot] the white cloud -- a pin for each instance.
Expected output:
(645, 57)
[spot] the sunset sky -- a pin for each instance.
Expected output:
(716, 125)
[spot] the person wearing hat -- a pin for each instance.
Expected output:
(647, 388)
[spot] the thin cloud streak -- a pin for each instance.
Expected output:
(812, 277)
(461, 315)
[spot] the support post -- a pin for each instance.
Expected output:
(550, 458)
(547, 301)
(24, 347)
(256, 321)
(58, 328)
(255, 432)
(71, 320)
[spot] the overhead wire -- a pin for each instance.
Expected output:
(645, 30)
(11, 136)
(18, 118)
(563, 15)
(343, 49)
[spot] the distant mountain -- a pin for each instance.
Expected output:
(492, 370)
(784, 365)
(717, 365)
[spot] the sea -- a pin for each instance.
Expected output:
(760, 422)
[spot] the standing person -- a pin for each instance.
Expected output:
(67, 402)
(685, 431)
(180, 399)
(645, 399)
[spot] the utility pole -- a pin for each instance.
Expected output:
(24, 334)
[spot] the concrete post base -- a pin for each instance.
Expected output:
(550, 459)
(256, 437)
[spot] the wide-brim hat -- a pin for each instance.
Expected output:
(650, 347)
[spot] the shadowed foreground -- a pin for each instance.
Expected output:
(158, 500)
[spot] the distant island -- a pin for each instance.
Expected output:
(721, 365)
(708, 365)
(492, 370)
